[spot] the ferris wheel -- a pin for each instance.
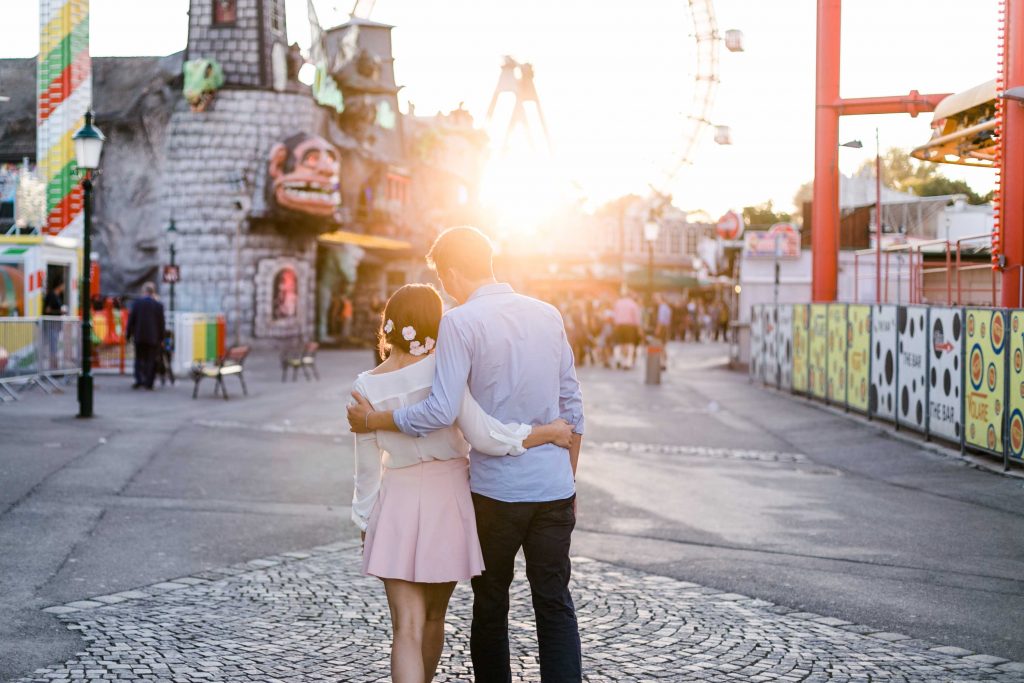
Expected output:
(705, 84)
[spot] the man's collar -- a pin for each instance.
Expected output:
(493, 288)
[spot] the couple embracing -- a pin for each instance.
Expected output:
(467, 439)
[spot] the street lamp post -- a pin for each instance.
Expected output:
(654, 353)
(172, 241)
(857, 144)
(651, 231)
(88, 149)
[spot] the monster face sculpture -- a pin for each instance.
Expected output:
(304, 176)
(202, 79)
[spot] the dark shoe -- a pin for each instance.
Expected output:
(136, 386)
(149, 388)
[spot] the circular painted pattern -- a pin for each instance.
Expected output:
(1017, 433)
(998, 329)
(976, 366)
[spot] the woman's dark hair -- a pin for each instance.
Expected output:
(416, 306)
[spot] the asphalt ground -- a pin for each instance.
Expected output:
(705, 478)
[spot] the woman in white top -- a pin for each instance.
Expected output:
(412, 499)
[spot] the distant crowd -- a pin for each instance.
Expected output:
(608, 331)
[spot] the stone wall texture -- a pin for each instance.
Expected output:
(242, 48)
(206, 155)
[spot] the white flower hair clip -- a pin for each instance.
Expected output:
(409, 333)
(429, 345)
(417, 349)
(389, 326)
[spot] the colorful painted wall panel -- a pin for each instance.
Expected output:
(769, 355)
(882, 392)
(912, 361)
(801, 348)
(1015, 404)
(784, 346)
(756, 342)
(858, 356)
(836, 377)
(945, 379)
(985, 347)
(818, 356)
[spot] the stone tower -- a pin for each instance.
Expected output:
(262, 277)
(247, 38)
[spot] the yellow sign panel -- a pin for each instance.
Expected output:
(1015, 437)
(801, 348)
(858, 351)
(985, 349)
(836, 377)
(817, 370)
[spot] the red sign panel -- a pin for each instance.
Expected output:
(172, 274)
(730, 226)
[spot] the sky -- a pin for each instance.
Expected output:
(615, 80)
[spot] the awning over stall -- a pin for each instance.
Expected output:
(364, 241)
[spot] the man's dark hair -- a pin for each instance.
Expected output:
(465, 250)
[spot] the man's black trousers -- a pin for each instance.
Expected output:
(543, 531)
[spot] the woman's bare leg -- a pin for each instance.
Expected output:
(438, 595)
(408, 604)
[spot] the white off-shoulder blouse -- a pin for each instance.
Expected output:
(377, 451)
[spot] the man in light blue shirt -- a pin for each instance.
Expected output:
(512, 353)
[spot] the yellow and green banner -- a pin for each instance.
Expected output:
(985, 346)
(858, 352)
(836, 356)
(801, 348)
(817, 369)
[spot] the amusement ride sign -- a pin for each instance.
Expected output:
(784, 237)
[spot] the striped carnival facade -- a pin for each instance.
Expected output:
(64, 87)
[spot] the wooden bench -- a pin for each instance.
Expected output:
(301, 357)
(231, 363)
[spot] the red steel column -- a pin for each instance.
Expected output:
(1012, 186)
(825, 213)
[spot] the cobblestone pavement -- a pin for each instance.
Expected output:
(312, 616)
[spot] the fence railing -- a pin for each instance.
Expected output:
(928, 272)
(38, 351)
(948, 372)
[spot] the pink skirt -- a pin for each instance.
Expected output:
(423, 527)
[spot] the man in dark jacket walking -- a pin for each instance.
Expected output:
(146, 329)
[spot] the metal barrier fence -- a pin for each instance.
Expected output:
(949, 372)
(37, 352)
(40, 351)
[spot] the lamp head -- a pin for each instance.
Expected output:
(1014, 94)
(853, 144)
(88, 145)
(172, 233)
(651, 230)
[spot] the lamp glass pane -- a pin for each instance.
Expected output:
(87, 153)
(651, 231)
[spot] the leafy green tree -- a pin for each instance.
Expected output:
(764, 215)
(902, 172)
(941, 185)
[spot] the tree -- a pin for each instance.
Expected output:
(804, 193)
(764, 215)
(902, 172)
(941, 185)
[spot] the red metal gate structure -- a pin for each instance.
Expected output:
(830, 106)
